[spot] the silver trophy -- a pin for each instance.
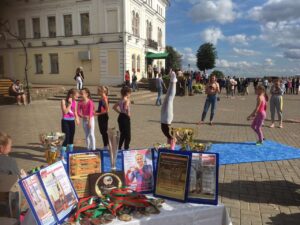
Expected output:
(113, 140)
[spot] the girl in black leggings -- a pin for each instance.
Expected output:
(123, 108)
(102, 114)
(69, 119)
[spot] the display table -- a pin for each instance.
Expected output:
(174, 213)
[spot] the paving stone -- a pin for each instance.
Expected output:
(255, 193)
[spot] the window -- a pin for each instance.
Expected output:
(38, 64)
(52, 26)
(85, 23)
(54, 67)
(1, 65)
(22, 28)
(149, 30)
(112, 21)
(138, 62)
(68, 25)
(36, 27)
(159, 37)
(133, 63)
(135, 24)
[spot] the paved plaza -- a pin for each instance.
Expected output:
(254, 193)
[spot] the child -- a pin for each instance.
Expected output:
(102, 114)
(123, 108)
(276, 102)
(167, 110)
(86, 112)
(259, 113)
(69, 117)
(8, 165)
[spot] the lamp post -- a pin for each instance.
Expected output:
(4, 27)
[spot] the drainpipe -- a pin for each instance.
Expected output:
(124, 38)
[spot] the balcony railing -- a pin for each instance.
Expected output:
(152, 44)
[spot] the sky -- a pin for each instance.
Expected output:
(252, 37)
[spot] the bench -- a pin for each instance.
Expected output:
(4, 86)
(5, 99)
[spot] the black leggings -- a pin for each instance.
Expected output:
(125, 130)
(68, 127)
(103, 125)
(165, 128)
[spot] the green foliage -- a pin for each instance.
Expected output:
(173, 60)
(219, 74)
(206, 57)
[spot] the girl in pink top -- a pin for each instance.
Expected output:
(86, 110)
(259, 113)
(69, 119)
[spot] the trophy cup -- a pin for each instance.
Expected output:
(103, 183)
(52, 142)
(113, 140)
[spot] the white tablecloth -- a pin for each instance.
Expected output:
(174, 213)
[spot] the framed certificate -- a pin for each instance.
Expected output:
(172, 175)
(138, 170)
(80, 165)
(37, 200)
(59, 190)
(203, 184)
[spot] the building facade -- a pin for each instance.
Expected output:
(105, 37)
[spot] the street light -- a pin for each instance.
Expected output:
(4, 27)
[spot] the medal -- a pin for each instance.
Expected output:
(125, 217)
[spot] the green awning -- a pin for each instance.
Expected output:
(151, 55)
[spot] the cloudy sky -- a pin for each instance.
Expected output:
(253, 37)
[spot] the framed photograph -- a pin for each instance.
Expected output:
(203, 185)
(37, 200)
(106, 167)
(138, 170)
(80, 165)
(59, 190)
(172, 175)
(102, 183)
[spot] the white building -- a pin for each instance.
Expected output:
(105, 37)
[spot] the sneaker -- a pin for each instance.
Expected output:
(259, 143)
(280, 126)
(272, 125)
(211, 123)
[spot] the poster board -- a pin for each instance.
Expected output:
(37, 200)
(203, 183)
(50, 194)
(80, 165)
(59, 190)
(172, 175)
(139, 170)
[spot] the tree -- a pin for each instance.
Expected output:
(219, 74)
(174, 59)
(206, 57)
(4, 26)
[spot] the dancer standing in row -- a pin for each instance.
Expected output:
(69, 118)
(102, 114)
(123, 108)
(86, 112)
(259, 113)
(167, 110)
